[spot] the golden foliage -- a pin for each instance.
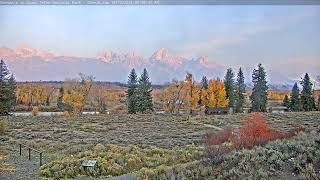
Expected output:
(174, 97)
(192, 95)
(216, 94)
(32, 93)
(66, 114)
(277, 95)
(204, 97)
(77, 92)
(35, 111)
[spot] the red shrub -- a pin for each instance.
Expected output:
(218, 137)
(255, 131)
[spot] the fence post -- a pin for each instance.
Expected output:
(29, 154)
(41, 159)
(20, 148)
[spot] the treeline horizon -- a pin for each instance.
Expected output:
(122, 84)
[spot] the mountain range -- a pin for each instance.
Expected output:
(29, 64)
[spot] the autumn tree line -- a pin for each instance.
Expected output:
(216, 93)
(75, 95)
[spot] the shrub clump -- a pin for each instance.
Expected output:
(2, 126)
(66, 114)
(254, 130)
(35, 111)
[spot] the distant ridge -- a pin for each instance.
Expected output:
(29, 64)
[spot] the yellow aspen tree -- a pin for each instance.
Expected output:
(77, 93)
(216, 94)
(220, 94)
(191, 92)
(212, 103)
(204, 98)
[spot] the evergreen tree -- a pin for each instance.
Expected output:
(144, 98)
(202, 91)
(132, 92)
(7, 89)
(259, 92)
(319, 103)
(307, 99)
(229, 85)
(240, 90)
(204, 82)
(295, 102)
(286, 102)
(60, 104)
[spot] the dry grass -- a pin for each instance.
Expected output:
(4, 167)
(56, 135)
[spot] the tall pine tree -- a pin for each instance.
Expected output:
(240, 90)
(7, 89)
(307, 99)
(319, 103)
(60, 104)
(144, 98)
(204, 82)
(132, 92)
(295, 100)
(286, 102)
(259, 92)
(229, 86)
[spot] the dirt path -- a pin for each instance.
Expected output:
(212, 126)
(24, 168)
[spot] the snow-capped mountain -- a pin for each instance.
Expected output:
(29, 64)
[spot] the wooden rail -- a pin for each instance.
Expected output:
(29, 152)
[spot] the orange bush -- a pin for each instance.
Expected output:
(255, 131)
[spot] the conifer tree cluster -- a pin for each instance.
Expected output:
(235, 90)
(7, 89)
(139, 97)
(303, 101)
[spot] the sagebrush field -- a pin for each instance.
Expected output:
(59, 138)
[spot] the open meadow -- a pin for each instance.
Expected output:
(60, 138)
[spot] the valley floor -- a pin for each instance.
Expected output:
(56, 136)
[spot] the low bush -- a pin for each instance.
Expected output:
(35, 111)
(66, 114)
(2, 126)
(254, 130)
(218, 137)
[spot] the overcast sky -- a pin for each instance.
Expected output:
(278, 36)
